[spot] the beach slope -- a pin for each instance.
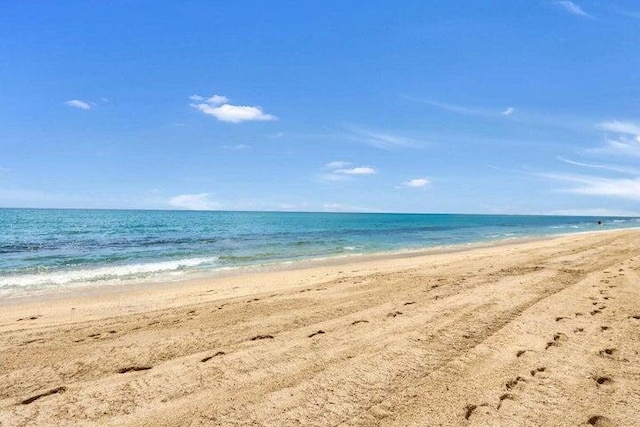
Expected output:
(541, 333)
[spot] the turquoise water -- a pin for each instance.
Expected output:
(42, 249)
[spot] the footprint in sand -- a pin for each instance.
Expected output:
(551, 344)
(29, 318)
(469, 411)
(206, 359)
(608, 352)
(506, 396)
(394, 314)
(133, 369)
(600, 421)
(355, 322)
(534, 372)
(32, 399)
(262, 337)
(557, 339)
(514, 382)
(320, 332)
(603, 381)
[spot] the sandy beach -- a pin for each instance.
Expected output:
(540, 333)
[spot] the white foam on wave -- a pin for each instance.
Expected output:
(102, 273)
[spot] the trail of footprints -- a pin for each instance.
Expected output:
(518, 383)
(136, 368)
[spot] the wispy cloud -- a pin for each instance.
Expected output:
(607, 167)
(218, 106)
(627, 13)
(415, 183)
(627, 188)
(237, 147)
(383, 140)
(627, 128)
(465, 109)
(573, 8)
(454, 108)
(626, 142)
(196, 202)
(338, 164)
(509, 111)
(76, 103)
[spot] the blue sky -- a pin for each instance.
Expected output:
(511, 107)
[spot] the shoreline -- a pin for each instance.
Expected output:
(96, 288)
(537, 333)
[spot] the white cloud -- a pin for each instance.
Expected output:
(217, 100)
(573, 8)
(218, 107)
(509, 111)
(196, 202)
(234, 113)
(339, 171)
(361, 170)
(416, 183)
(76, 103)
(338, 164)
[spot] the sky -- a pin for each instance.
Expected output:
(496, 107)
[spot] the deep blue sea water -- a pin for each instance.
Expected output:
(42, 249)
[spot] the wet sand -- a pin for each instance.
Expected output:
(543, 333)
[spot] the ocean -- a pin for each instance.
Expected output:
(46, 249)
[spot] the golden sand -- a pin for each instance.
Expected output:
(543, 333)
